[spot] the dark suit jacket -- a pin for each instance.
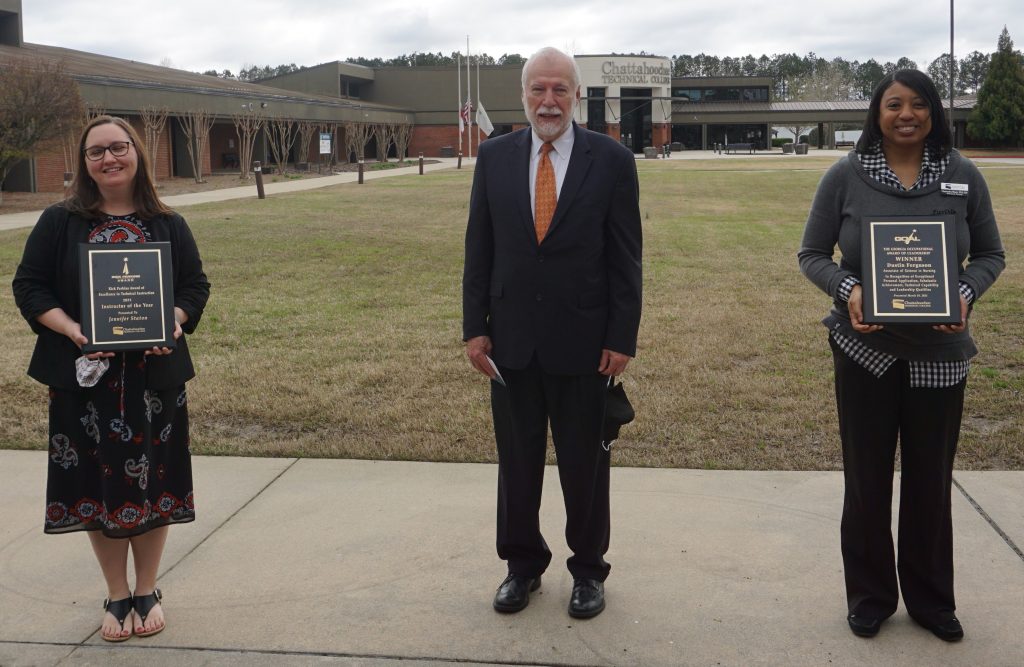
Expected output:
(578, 291)
(48, 277)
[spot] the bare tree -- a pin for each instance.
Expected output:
(247, 127)
(69, 146)
(403, 133)
(307, 130)
(40, 103)
(798, 131)
(94, 110)
(91, 110)
(69, 139)
(831, 83)
(73, 132)
(383, 132)
(153, 120)
(281, 136)
(351, 151)
(196, 126)
(357, 135)
(826, 81)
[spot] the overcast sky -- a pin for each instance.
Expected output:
(227, 34)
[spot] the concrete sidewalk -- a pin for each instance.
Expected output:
(311, 561)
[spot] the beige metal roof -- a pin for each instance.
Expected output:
(781, 107)
(90, 68)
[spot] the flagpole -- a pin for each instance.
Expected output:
(478, 102)
(458, 94)
(469, 100)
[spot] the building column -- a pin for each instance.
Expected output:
(661, 134)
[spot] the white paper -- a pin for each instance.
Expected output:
(497, 374)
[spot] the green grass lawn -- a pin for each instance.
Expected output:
(334, 327)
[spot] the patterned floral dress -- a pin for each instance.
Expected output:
(119, 453)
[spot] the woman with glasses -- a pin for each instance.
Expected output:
(900, 383)
(119, 465)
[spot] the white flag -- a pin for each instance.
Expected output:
(482, 121)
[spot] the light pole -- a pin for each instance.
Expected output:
(952, 74)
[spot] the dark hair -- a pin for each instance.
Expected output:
(85, 199)
(939, 139)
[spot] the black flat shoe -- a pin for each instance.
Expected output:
(863, 626)
(948, 630)
(587, 598)
(514, 593)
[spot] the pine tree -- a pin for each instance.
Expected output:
(999, 114)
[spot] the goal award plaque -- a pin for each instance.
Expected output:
(127, 296)
(910, 270)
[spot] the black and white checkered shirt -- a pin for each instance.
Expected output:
(875, 165)
(923, 374)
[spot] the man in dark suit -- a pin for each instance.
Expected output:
(551, 294)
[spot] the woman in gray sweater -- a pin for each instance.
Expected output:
(899, 382)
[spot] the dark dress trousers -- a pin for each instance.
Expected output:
(550, 309)
(874, 415)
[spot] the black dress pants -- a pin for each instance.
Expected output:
(574, 406)
(875, 413)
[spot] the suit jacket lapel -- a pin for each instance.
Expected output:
(579, 163)
(519, 177)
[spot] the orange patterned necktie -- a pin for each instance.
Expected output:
(544, 193)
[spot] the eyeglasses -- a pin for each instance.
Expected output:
(117, 149)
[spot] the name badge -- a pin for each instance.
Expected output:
(954, 189)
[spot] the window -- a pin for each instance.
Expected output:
(687, 94)
(596, 119)
(755, 94)
(349, 88)
(720, 94)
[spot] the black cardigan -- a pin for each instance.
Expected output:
(48, 277)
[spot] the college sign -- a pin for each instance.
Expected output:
(618, 72)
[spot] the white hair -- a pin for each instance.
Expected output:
(552, 52)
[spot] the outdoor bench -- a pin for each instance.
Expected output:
(734, 148)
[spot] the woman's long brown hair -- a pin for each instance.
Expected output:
(85, 198)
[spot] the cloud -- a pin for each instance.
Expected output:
(202, 34)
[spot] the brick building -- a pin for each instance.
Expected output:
(634, 99)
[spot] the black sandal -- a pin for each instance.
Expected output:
(119, 609)
(143, 605)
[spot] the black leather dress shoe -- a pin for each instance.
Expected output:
(514, 593)
(587, 598)
(863, 626)
(948, 630)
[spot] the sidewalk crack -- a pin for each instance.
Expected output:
(229, 518)
(995, 526)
